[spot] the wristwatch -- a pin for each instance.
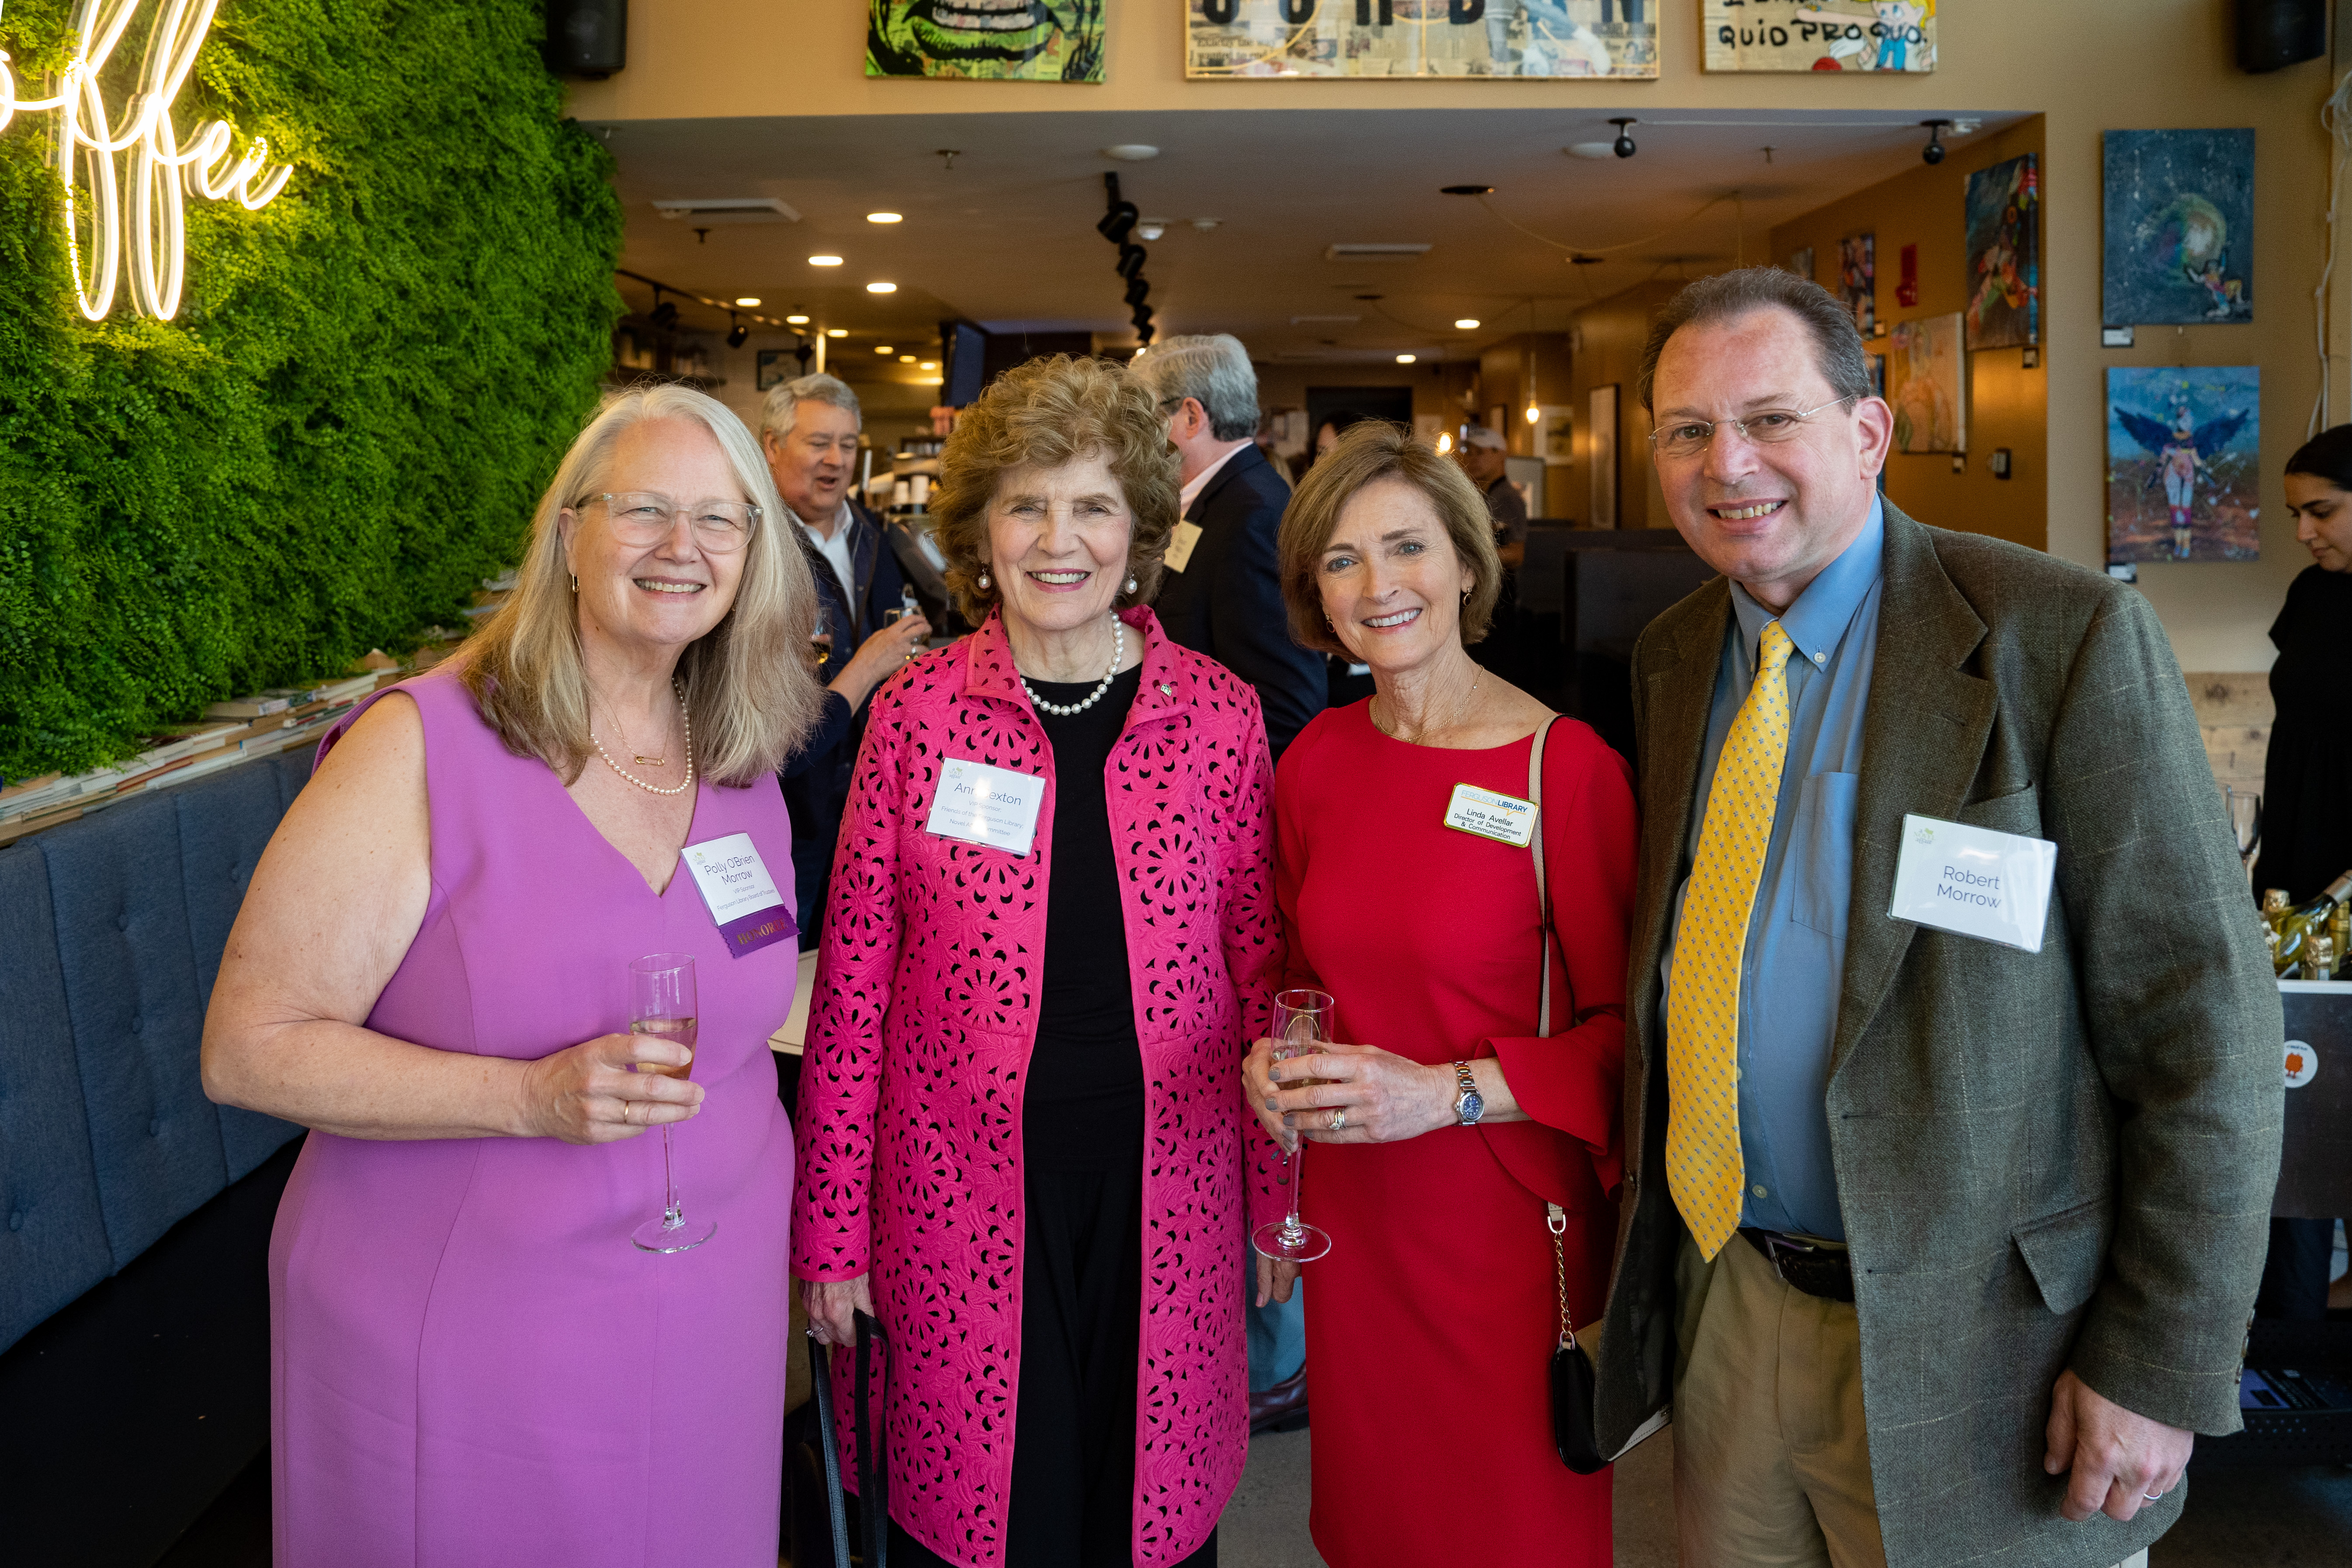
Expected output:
(1469, 1105)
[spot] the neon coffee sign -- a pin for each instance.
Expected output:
(152, 230)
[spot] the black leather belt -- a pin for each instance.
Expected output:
(1817, 1270)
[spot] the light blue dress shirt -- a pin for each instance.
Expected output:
(1792, 971)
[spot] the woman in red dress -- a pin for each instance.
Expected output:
(1443, 1133)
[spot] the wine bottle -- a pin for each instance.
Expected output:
(2339, 926)
(2297, 927)
(2320, 956)
(2274, 906)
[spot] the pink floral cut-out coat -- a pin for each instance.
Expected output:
(922, 1020)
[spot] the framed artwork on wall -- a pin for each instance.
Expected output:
(1056, 41)
(1925, 369)
(2179, 227)
(2004, 255)
(2183, 462)
(1556, 434)
(1492, 38)
(1801, 264)
(772, 368)
(1858, 279)
(1600, 450)
(1819, 35)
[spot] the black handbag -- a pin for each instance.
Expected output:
(1571, 1369)
(873, 1449)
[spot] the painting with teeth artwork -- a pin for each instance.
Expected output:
(994, 40)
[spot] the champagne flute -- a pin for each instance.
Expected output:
(2245, 824)
(661, 1002)
(1302, 1023)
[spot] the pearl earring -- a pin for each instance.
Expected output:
(983, 582)
(1130, 582)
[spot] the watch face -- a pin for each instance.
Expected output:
(1473, 1106)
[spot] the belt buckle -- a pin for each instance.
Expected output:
(1776, 1245)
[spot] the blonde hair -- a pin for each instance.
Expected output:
(1047, 413)
(1366, 453)
(748, 691)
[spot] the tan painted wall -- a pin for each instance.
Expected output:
(1608, 340)
(2007, 405)
(2085, 65)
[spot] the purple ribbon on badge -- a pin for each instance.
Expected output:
(760, 928)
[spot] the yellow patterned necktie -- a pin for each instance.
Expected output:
(1704, 1166)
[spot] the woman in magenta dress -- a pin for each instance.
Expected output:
(470, 1362)
(1442, 1135)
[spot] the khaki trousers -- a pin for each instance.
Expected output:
(1772, 1453)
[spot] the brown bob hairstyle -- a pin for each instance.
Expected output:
(1045, 413)
(1368, 453)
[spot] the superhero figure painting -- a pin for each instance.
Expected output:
(2191, 436)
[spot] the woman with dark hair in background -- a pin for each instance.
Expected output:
(2308, 780)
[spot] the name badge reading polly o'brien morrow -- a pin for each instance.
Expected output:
(741, 895)
(981, 805)
(1974, 881)
(1505, 818)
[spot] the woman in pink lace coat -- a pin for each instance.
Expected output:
(1052, 930)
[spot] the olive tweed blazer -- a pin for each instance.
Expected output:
(2044, 1161)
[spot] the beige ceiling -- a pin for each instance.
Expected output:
(1006, 237)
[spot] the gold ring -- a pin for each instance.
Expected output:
(624, 1115)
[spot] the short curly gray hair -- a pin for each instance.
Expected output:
(1212, 367)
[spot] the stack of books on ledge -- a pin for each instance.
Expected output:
(230, 732)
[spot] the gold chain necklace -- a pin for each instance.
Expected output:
(684, 718)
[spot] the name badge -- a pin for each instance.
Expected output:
(1180, 546)
(981, 805)
(1974, 881)
(740, 894)
(1505, 818)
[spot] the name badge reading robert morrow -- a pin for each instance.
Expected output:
(981, 805)
(740, 894)
(1974, 881)
(1505, 818)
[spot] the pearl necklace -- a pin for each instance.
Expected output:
(1063, 710)
(684, 718)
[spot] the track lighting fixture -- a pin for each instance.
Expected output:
(1118, 222)
(1623, 145)
(1933, 153)
(736, 331)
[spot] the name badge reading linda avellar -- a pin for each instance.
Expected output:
(981, 805)
(1974, 881)
(1505, 818)
(742, 896)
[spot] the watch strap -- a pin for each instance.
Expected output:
(1467, 1091)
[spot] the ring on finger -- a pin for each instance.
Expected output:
(624, 1115)
(1339, 1119)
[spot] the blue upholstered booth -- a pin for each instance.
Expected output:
(110, 936)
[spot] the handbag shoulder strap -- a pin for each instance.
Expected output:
(1543, 888)
(821, 1381)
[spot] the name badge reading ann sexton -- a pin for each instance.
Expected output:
(981, 805)
(741, 895)
(1505, 818)
(1974, 881)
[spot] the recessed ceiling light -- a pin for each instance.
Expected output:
(836, 332)
(881, 288)
(796, 321)
(884, 217)
(824, 261)
(883, 350)
(906, 359)
(748, 301)
(1467, 322)
(928, 364)
(1132, 153)
(1149, 229)
(1404, 359)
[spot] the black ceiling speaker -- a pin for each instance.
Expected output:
(2275, 33)
(587, 38)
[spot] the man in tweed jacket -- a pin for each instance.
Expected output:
(2000, 1214)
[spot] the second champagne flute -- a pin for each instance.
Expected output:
(662, 1001)
(1302, 1025)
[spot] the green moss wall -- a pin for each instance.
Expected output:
(367, 383)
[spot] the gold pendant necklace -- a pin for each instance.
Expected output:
(684, 718)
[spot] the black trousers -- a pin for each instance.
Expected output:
(1074, 1431)
(2295, 1275)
